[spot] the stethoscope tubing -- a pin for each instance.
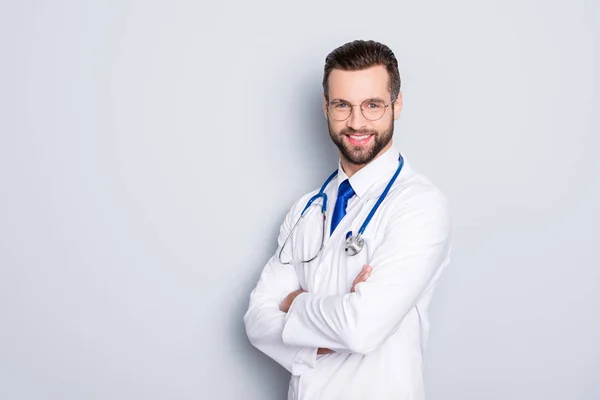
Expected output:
(357, 242)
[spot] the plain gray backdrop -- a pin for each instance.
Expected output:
(150, 149)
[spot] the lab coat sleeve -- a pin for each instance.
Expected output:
(414, 250)
(264, 321)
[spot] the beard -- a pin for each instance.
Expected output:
(361, 155)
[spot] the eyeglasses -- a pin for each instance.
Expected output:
(371, 109)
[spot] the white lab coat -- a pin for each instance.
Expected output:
(379, 332)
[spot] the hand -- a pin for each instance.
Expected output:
(321, 350)
(362, 276)
(287, 302)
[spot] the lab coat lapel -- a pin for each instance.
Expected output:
(336, 240)
(358, 210)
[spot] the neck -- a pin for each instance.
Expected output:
(350, 168)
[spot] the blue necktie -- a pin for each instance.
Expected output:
(345, 192)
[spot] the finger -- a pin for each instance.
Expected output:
(361, 276)
(359, 279)
(363, 273)
(366, 272)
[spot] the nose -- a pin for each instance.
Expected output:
(356, 120)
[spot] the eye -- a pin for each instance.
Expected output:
(373, 105)
(340, 105)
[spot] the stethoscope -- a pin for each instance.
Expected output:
(353, 244)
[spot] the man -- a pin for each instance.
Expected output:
(355, 326)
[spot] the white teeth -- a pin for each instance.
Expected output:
(361, 137)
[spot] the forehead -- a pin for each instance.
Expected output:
(356, 86)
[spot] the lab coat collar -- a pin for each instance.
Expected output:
(380, 168)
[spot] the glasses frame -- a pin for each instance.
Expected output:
(329, 104)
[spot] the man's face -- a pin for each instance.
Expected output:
(359, 139)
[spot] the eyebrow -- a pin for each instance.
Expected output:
(369, 99)
(376, 99)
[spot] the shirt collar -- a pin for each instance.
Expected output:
(379, 168)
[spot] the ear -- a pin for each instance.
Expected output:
(325, 105)
(398, 106)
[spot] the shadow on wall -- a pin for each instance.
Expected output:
(320, 154)
(319, 157)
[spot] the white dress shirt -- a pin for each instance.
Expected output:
(379, 332)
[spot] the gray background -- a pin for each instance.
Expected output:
(149, 151)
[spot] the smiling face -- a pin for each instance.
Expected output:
(360, 139)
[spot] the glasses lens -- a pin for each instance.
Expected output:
(373, 109)
(340, 110)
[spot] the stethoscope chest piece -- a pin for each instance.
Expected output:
(354, 244)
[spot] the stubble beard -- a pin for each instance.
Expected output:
(359, 155)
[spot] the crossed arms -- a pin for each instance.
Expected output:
(291, 326)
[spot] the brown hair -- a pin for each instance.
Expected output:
(361, 54)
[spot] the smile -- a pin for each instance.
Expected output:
(358, 139)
